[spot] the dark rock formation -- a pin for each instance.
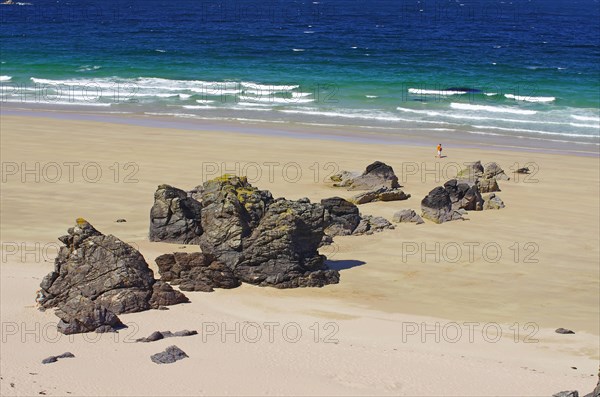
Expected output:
(563, 331)
(341, 216)
(175, 217)
(493, 170)
(96, 277)
(53, 359)
(262, 241)
(376, 175)
(492, 202)
(464, 195)
(437, 206)
(158, 335)
(169, 356)
(596, 391)
(193, 272)
(407, 215)
(380, 194)
(524, 170)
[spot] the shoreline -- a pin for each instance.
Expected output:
(380, 288)
(334, 132)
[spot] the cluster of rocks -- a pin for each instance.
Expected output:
(457, 196)
(97, 277)
(245, 235)
(379, 181)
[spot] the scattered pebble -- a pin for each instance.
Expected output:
(564, 331)
(158, 335)
(121, 220)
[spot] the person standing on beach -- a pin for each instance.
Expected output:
(439, 150)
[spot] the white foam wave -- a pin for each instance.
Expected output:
(87, 68)
(530, 98)
(298, 49)
(596, 126)
(435, 92)
(301, 94)
(5, 78)
(198, 107)
(268, 87)
(204, 101)
(586, 118)
(533, 131)
(494, 109)
(371, 96)
(272, 99)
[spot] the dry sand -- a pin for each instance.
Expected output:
(374, 333)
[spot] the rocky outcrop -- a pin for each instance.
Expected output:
(263, 241)
(493, 170)
(169, 355)
(377, 175)
(407, 216)
(437, 206)
(97, 277)
(381, 194)
(464, 195)
(175, 217)
(193, 272)
(492, 202)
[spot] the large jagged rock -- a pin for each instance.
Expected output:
(96, 277)
(282, 250)
(232, 209)
(263, 241)
(169, 355)
(464, 195)
(175, 217)
(381, 194)
(193, 272)
(377, 175)
(437, 206)
(341, 216)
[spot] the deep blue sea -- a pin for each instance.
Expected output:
(529, 69)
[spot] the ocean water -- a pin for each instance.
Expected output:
(527, 69)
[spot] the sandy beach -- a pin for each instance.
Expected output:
(464, 308)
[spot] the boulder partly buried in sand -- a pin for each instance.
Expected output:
(380, 194)
(407, 216)
(375, 176)
(170, 355)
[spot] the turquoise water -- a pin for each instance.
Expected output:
(528, 69)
